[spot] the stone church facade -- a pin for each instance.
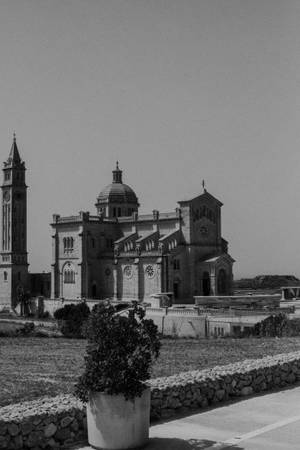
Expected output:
(118, 253)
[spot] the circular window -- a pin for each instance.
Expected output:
(107, 271)
(149, 271)
(128, 271)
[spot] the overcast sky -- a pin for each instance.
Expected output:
(176, 90)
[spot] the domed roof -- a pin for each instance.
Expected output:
(117, 191)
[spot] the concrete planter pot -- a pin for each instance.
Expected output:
(115, 423)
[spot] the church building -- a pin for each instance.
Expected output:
(121, 254)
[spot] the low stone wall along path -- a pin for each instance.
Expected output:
(60, 421)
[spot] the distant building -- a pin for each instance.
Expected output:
(120, 254)
(116, 253)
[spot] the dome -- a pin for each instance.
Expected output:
(117, 191)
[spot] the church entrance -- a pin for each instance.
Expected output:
(222, 282)
(206, 284)
(176, 290)
(94, 291)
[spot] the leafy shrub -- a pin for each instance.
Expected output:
(119, 353)
(294, 327)
(16, 329)
(27, 329)
(273, 326)
(44, 315)
(71, 319)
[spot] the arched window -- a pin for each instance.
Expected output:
(5, 276)
(68, 243)
(176, 264)
(68, 274)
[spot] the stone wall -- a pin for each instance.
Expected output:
(197, 389)
(55, 422)
(178, 324)
(61, 421)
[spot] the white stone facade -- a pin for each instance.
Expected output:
(123, 255)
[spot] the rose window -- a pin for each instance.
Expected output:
(128, 271)
(149, 271)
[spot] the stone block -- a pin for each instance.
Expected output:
(52, 443)
(220, 394)
(247, 390)
(50, 430)
(4, 442)
(62, 434)
(35, 438)
(65, 422)
(26, 428)
(75, 425)
(18, 441)
(13, 429)
(291, 378)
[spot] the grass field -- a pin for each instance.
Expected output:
(35, 367)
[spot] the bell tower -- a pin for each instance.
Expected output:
(13, 255)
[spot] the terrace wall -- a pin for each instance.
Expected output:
(61, 421)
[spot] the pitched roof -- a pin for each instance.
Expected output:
(206, 195)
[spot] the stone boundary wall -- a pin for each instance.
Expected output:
(46, 423)
(59, 422)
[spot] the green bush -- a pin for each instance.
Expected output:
(119, 353)
(272, 326)
(71, 319)
(16, 329)
(294, 327)
(278, 325)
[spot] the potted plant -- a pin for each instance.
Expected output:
(119, 354)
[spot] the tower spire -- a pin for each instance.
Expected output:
(14, 155)
(117, 174)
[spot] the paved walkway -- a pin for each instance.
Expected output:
(266, 422)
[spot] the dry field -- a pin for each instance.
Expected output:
(34, 367)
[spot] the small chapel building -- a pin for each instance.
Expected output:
(121, 254)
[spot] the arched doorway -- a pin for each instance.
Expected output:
(94, 290)
(206, 284)
(222, 282)
(176, 289)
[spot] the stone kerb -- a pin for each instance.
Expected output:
(60, 421)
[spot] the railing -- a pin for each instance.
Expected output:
(68, 219)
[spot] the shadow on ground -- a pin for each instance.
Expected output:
(183, 444)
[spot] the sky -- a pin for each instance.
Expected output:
(176, 91)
